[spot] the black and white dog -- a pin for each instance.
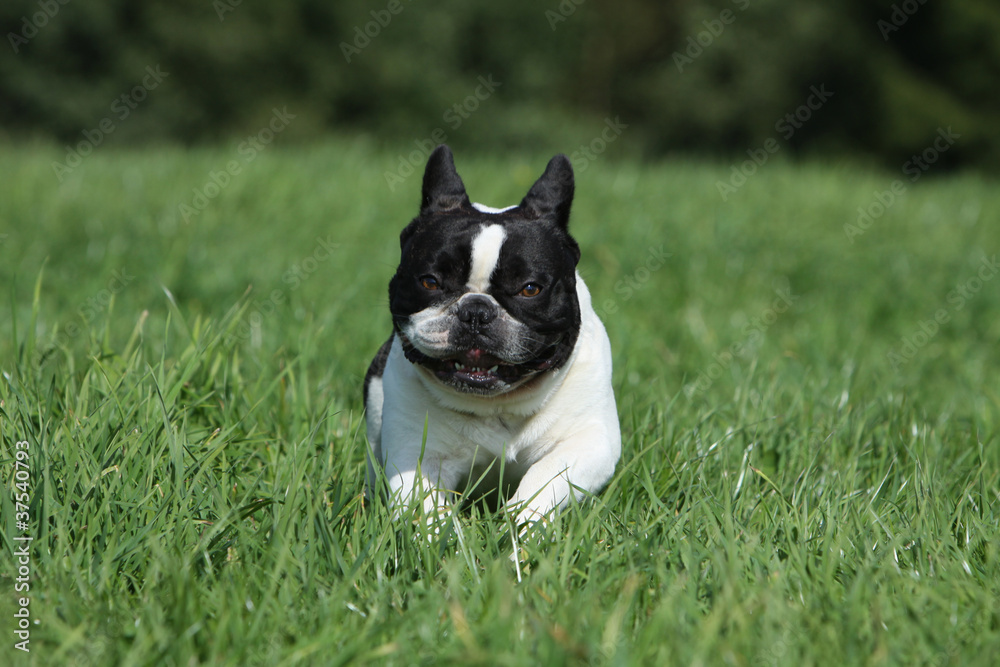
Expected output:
(496, 351)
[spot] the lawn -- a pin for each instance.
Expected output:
(811, 420)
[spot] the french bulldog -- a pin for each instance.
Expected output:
(497, 374)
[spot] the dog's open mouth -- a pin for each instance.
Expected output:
(476, 370)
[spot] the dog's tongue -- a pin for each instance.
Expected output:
(478, 358)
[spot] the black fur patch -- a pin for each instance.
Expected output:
(377, 366)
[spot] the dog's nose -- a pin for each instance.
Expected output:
(476, 311)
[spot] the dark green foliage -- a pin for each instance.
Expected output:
(688, 76)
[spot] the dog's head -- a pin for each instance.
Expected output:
(484, 300)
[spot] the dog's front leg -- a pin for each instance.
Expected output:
(415, 480)
(573, 468)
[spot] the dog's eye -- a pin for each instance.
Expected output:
(429, 283)
(531, 289)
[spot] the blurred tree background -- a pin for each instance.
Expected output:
(712, 78)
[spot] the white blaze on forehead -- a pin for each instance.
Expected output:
(483, 208)
(485, 254)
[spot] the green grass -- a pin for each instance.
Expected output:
(197, 451)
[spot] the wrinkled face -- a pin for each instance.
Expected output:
(483, 302)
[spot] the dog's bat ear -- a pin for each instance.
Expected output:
(552, 194)
(443, 188)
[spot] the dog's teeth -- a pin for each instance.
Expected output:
(494, 369)
(459, 366)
